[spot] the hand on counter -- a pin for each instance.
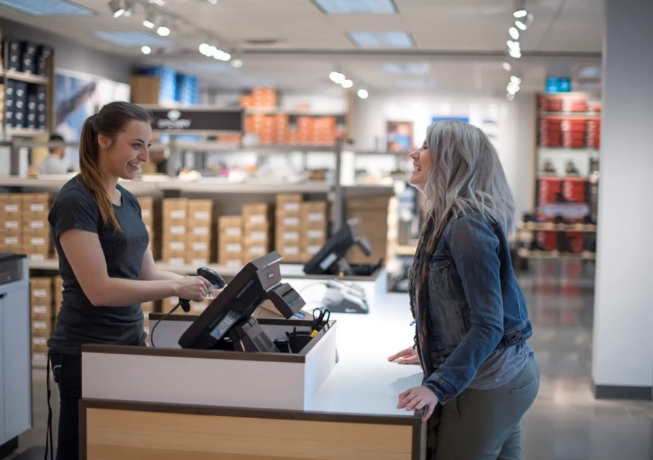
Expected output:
(418, 398)
(407, 356)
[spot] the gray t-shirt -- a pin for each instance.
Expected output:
(80, 322)
(501, 367)
(52, 165)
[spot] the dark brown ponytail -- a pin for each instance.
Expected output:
(110, 121)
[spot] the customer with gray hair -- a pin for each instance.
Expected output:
(471, 317)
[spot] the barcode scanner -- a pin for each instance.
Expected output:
(217, 282)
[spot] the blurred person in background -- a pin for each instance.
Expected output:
(54, 163)
(470, 314)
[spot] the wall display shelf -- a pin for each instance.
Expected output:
(26, 77)
(552, 227)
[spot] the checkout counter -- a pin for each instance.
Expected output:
(334, 397)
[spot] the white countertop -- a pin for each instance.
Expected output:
(364, 382)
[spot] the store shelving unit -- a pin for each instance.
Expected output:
(26, 77)
(528, 254)
(550, 227)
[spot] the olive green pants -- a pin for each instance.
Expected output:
(486, 424)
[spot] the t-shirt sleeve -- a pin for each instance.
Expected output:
(74, 209)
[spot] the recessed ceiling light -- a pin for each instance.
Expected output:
(205, 49)
(515, 79)
(163, 30)
(520, 13)
(347, 84)
(406, 69)
(158, 2)
(237, 63)
(515, 53)
(514, 33)
(146, 50)
(356, 6)
(134, 39)
(47, 7)
(362, 93)
(507, 66)
(364, 39)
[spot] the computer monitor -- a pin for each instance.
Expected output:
(330, 260)
(227, 323)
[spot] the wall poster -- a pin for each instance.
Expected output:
(78, 96)
(400, 136)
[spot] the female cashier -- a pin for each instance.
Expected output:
(104, 256)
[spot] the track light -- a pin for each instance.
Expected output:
(213, 2)
(158, 2)
(205, 49)
(236, 63)
(130, 8)
(520, 13)
(515, 53)
(150, 20)
(347, 84)
(521, 25)
(362, 93)
(507, 66)
(337, 77)
(146, 50)
(514, 33)
(117, 8)
(513, 45)
(515, 80)
(163, 30)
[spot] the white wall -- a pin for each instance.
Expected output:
(513, 130)
(623, 342)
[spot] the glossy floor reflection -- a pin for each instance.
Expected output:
(565, 423)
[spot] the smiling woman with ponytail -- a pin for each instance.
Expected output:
(104, 255)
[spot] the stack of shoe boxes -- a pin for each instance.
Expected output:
(42, 314)
(314, 222)
(258, 230)
(231, 244)
(11, 217)
(175, 235)
(288, 227)
(37, 242)
(373, 216)
(200, 215)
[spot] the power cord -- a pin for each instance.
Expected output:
(157, 323)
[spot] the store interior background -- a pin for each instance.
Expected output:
(454, 67)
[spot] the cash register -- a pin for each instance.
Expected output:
(227, 323)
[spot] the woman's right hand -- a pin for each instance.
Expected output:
(406, 356)
(192, 288)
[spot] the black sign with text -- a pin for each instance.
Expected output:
(188, 120)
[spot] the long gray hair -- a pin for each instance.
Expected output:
(466, 176)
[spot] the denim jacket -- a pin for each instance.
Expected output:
(475, 304)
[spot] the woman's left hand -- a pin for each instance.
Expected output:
(417, 398)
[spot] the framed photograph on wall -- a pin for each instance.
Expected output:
(400, 136)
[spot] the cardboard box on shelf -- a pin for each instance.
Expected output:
(256, 216)
(11, 204)
(290, 235)
(42, 328)
(35, 222)
(314, 215)
(254, 251)
(289, 204)
(147, 209)
(175, 211)
(57, 292)
(37, 253)
(10, 241)
(39, 344)
(200, 213)
(36, 202)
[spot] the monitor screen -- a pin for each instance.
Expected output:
(260, 279)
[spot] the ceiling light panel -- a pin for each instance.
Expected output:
(47, 7)
(134, 39)
(356, 6)
(364, 39)
(406, 69)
